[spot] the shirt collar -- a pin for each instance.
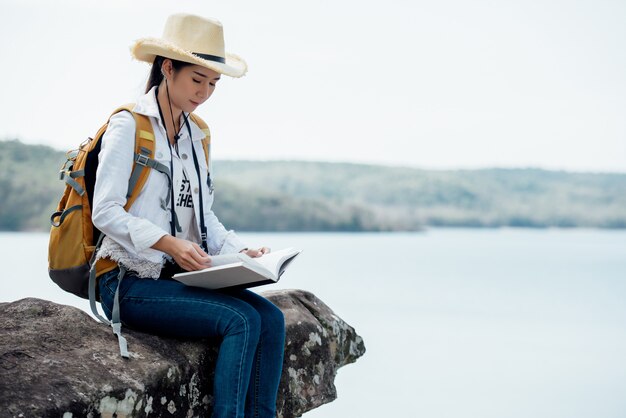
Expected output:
(147, 105)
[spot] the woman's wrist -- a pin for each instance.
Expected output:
(164, 244)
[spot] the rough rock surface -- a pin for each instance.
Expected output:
(57, 361)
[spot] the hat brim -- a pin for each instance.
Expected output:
(146, 49)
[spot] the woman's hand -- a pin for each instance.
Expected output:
(187, 254)
(255, 253)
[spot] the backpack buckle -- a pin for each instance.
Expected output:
(142, 159)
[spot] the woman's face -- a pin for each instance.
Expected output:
(191, 86)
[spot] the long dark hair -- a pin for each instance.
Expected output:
(155, 72)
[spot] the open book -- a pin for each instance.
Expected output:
(240, 270)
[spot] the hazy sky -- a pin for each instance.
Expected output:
(437, 84)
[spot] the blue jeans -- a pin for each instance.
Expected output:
(250, 359)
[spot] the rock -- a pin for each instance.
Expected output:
(57, 361)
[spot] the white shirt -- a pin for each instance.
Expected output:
(183, 203)
(146, 222)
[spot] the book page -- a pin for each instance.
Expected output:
(225, 261)
(284, 265)
(275, 259)
(220, 260)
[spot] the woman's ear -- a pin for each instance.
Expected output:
(166, 68)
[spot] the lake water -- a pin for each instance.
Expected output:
(457, 323)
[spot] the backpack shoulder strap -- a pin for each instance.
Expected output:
(144, 150)
(206, 142)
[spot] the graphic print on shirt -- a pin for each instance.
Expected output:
(184, 193)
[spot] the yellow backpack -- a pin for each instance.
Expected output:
(73, 237)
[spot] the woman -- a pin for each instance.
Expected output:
(161, 233)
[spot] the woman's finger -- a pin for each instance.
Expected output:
(199, 250)
(192, 265)
(199, 256)
(194, 258)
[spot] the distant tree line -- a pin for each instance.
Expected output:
(321, 196)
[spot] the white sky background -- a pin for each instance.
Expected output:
(437, 84)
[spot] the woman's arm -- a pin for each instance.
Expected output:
(133, 233)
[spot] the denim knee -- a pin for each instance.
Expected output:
(274, 320)
(246, 320)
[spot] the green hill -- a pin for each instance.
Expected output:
(321, 196)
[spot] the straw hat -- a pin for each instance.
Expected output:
(193, 39)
